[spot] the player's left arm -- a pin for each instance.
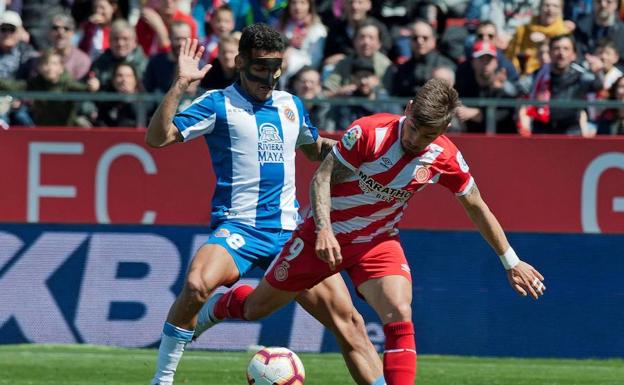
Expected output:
(522, 277)
(318, 150)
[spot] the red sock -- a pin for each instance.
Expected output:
(232, 303)
(399, 360)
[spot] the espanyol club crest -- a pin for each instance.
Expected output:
(351, 136)
(422, 174)
(290, 115)
(222, 233)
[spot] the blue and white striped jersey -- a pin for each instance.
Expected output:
(252, 146)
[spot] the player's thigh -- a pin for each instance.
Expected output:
(266, 299)
(297, 268)
(329, 302)
(212, 266)
(389, 296)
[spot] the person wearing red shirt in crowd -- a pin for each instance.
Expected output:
(153, 27)
(358, 196)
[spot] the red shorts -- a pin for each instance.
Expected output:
(298, 268)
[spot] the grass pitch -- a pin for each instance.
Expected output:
(90, 365)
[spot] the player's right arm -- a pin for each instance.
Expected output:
(161, 130)
(331, 171)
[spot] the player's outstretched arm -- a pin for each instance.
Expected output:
(318, 150)
(327, 246)
(161, 131)
(522, 277)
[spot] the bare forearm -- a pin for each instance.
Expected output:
(489, 227)
(320, 195)
(159, 132)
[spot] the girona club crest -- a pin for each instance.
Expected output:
(281, 271)
(422, 174)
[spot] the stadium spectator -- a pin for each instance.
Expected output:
(306, 84)
(223, 72)
(60, 35)
(483, 77)
(52, 77)
(522, 49)
(223, 118)
(262, 11)
(562, 79)
(412, 74)
(16, 63)
(35, 17)
(487, 31)
(357, 196)
(445, 73)
(367, 43)
(16, 56)
(602, 22)
(603, 62)
(161, 67)
(341, 32)
(152, 28)
(507, 15)
(306, 36)
(367, 86)
(119, 113)
(221, 24)
(123, 48)
(611, 121)
(95, 32)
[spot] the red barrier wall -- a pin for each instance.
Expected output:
(554, 184)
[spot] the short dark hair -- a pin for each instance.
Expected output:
(557, 38)
(435, 104)
(260, 36)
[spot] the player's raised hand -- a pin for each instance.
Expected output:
(524, 279)
(327, 248)
(188, 62)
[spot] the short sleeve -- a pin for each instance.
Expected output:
(457, 177)
(351, 149)
(197, 119)
(308, 133)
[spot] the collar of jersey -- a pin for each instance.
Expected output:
(249, 98)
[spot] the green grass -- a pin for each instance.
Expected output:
(91, 365)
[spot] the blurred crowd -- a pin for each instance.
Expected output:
(501, 49)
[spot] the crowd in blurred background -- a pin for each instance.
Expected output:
(547, 50)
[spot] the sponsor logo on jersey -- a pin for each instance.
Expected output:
(351, 136)
(422, 174)
(290, 115)
(388, 194)
(462, 163)
(222, 233)
(387, 163)
(281, 271)
(270, 145)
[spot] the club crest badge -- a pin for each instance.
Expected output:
(422, 174)
(222, 233)
(281, 271)
(351, 136)
(289, 114)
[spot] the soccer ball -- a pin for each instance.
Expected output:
(275, 366)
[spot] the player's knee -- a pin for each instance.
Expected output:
(399, 312)
(198, 289)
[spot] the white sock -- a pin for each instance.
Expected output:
(172, 344)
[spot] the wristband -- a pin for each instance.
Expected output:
(509, 259)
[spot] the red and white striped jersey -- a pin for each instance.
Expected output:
(370, 203)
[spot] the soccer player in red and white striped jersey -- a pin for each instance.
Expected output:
(358, 196)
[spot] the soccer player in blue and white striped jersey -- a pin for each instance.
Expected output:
(252, 132)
